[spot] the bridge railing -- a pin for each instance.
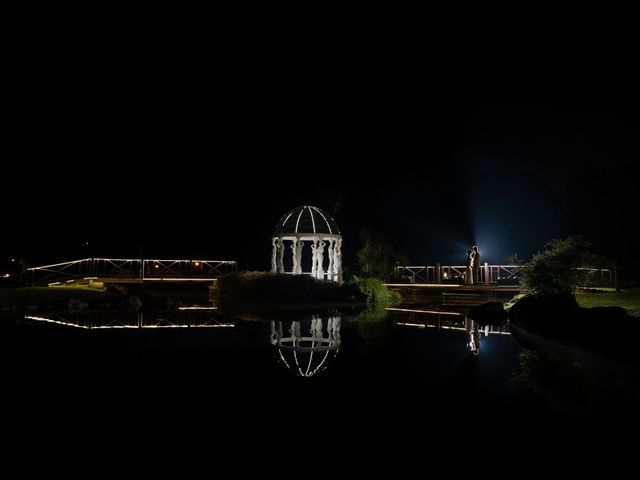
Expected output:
(454, 273)
(130, 269)
(488, 274)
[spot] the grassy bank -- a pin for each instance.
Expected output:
(627, 299)
(37, 296)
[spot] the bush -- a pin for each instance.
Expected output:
(246, 288)
(377, 257)
(260, 288)
(560, 267)
(375, 292)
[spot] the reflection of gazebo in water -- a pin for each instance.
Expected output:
(310, 225)
(302, 355)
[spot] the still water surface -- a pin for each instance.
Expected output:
(412, 358)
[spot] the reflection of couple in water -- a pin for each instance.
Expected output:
(473, 334)
(472, 272)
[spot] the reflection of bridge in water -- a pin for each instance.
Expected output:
(185, 317)
(127, 270)
(442, 320)
(488, 276)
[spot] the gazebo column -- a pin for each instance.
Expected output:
(314, 257)
(295, 333)
(337, 260)
(294, 256)
(332, 244)
(296, 250)
(280, 255)
(274, 255)
(320, 259)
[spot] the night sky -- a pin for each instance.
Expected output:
(199, 153)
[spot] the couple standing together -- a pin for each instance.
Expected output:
(472, 272)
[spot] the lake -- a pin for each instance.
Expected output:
(409, 359)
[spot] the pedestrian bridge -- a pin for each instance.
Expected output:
(488, 275)
(128, 270)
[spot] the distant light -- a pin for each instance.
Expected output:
(13, 259)
(157, 266)
(6, 275)
(197, 264)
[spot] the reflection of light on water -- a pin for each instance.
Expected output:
(447, 321)
(471, 327)
(423, 285)
(438, 312)
(50, 320)
(197, 308)
(184, 318)
(306, 355)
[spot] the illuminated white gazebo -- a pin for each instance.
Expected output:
(313, 226)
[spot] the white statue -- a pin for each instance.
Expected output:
(274, 255)
(330, 250)
(320, 259)
(280, 256)
(314, 257)
(337, 260)
(299, 257)
(294, 256)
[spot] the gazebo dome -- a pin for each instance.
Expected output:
(306, 220)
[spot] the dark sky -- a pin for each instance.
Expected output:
(197, 152)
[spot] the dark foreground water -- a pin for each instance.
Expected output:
(401, 365)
